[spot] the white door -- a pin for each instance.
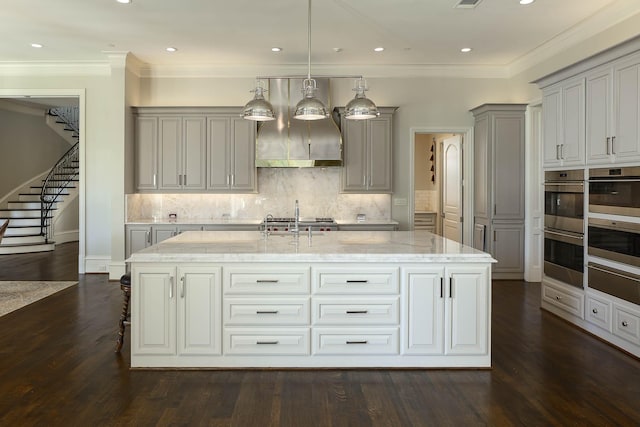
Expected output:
(452, 188)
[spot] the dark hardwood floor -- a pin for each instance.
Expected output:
(58, 368)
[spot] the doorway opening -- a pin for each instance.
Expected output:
(439, 199)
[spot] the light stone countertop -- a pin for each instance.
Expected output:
(335, 246)
(246, 221)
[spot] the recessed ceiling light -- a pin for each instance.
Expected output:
(379, 49)
(36, 45)
(337, 49)
(124, 1)
(526, 1)
(276, 49)
(466, 49)
(171, 49)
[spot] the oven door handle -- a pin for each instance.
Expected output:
(561, 184)
(614, 273)
(571, 236)
(597, 180)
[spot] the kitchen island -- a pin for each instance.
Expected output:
(339, 299)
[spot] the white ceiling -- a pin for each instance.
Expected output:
(240, 33)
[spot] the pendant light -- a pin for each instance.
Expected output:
(360, 107)
(258, 109)
(310, 107)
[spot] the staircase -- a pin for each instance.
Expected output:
(31, 215)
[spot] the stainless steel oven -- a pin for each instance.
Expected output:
(615, 191)
(564, 200)
(614, 240)
(564, 226)
(615, 282)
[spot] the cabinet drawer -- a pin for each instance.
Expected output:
(355, 311)
(355, 341)
(598, 312)
(347, 281)
(266, 280)
(263, 311)
(626, 324)
(571, 302)
(258, 341)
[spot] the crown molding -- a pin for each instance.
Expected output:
(605, 19)
(55, 68)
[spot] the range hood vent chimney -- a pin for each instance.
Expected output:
(467, 4)
(287, 142)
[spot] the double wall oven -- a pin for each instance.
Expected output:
(564, 226)
(615, 192)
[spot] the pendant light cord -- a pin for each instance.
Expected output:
(309, 43)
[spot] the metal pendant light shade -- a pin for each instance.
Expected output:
(361, 107)
(258, 109)
(310, 107)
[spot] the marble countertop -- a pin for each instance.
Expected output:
(334, 246)
(247, 221)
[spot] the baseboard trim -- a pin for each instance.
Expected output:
(96, 264)
(117, 269)
(67, 236)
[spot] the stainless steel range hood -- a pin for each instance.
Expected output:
(288, 142)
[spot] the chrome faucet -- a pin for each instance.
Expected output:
(296, 218)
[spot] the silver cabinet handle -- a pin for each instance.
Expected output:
(357, 311)
(266, 281)
(154, 179)
(357, 281)
(233, 179)
(182, 287)
(613, 145)
(557, 151)
(266, 311)
(625, 323)
(170, 287)
(558, 297)
(561, 151)
(357, 342)
(228, 179)
(608, 149)
(185, 179)
(450, 287)
(595, 311)
(148, 237)
(266, 342)
(364, 180)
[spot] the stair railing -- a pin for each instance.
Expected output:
(64, 172)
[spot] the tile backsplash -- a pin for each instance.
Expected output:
(317, 189)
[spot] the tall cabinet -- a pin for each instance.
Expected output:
(499, 183)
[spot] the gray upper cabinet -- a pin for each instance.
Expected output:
(231, 148)
(367, 152)
(194, 149)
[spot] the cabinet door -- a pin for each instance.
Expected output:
(551, 123)
(161, 232)
(423, 307)
(626, 146)
(379, 162)
(467, 310)
(194, 153)
(599, 106)
(354, 171)
(199, 310)
(573, 127)
(482, 168)
(243, 143)
(138, 237)
(170, 147)
(153, 310)
(146, 153)
(508, 166)
(218, 153)
(508, 249)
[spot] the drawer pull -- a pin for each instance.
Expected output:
(357, 281)
(595, 311)
(357, 311)
(266, 281)
(558, 297)
(267, 312)
(625, 323)
(356, 342)
(266, 342)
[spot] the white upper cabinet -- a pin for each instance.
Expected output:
(564, 125)
(599, 112)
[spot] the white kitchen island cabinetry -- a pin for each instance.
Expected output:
(342, 299)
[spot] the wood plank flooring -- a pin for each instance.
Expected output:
(58, 368)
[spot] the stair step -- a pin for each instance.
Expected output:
(22, 231)
(27, 248)
(38, 190)
(24, 222)
(21, 205)
(20, 213)
(22, 240)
